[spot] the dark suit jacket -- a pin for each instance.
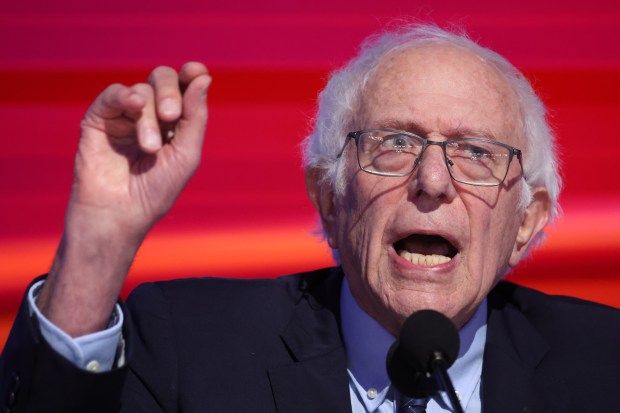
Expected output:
(222, 345)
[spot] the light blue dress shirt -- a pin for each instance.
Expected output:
(366, 343)
(95, 352)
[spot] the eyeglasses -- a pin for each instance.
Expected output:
(472, 161)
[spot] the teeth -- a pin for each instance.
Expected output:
(424, 260)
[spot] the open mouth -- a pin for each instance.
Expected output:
(426, 250)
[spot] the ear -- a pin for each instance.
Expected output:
(322, 196)
(535, 218)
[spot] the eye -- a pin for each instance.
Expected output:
(471, 151)
(477, 153)
(397, 142)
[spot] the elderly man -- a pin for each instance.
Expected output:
(433, 171)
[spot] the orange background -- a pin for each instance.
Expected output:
(245, 213)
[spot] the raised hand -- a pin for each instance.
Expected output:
(139, 146)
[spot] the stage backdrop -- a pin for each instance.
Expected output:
(245, 211)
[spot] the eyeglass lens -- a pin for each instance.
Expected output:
(469, 160)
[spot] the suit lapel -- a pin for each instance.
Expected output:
(514, 375)
(316, 380)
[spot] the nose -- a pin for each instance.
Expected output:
(431, 177)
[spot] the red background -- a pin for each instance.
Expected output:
(246, 212)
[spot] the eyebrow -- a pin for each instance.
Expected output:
(416, 128)
(409, 126)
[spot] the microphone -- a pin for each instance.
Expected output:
(418, 361)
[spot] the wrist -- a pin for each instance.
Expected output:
(86, 278)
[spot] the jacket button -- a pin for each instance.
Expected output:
(13, 394)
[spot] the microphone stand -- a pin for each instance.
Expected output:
(438, 365)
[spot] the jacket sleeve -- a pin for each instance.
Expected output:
(34, 378)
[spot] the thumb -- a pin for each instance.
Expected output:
(190, 130)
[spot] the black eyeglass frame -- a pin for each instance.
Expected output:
(512, 152)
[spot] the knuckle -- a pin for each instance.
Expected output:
(114, 87)
(160, 73)
(194, 65)
(111, 91)
(142, 88)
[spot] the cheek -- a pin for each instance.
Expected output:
(363, 214)
(493, 230)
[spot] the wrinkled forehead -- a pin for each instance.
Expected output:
(443, 86)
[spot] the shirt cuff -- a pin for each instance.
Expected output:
(94, 352)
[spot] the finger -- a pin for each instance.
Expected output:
(165, 82)
(190, 130)
(116, 101)
(147, 126)
(191, 71)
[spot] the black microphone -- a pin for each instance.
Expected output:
(418, 361)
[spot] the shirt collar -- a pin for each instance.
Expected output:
(367, 344)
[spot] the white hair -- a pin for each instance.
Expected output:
(340, 101)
